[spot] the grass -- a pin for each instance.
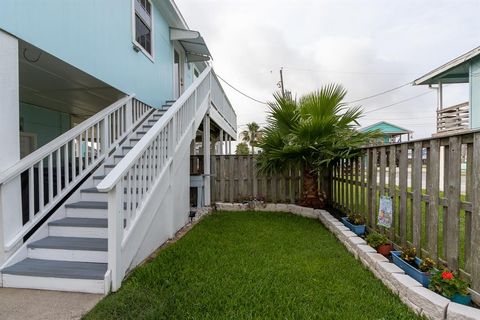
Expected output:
(253, 265)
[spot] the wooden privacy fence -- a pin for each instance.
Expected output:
(235, 179)
(435, 188)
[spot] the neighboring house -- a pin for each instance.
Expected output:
(102, 105)
(464, 69)
(390, 133)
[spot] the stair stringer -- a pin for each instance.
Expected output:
(162, 214)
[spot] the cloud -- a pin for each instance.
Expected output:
(368, 46)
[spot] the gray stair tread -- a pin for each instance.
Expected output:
(88, 205)
(99, 177)
(71, 243)
(91, 190)
(58, 269)
(80, 222)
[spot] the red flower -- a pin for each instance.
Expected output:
(447, 275)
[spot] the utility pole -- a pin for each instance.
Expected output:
(281, 82)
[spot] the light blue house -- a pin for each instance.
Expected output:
(391, 133)
(102, 104)
(464, 69)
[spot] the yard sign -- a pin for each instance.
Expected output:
(385, 212)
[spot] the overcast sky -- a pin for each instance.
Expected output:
(368, 46)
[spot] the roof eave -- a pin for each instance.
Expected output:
(427, 78)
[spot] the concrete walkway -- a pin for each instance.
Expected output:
(17, 304)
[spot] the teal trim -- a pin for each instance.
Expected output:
(475, 94)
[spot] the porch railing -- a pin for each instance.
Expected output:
(147, 167)
(453, 118)
(38, 182)
(434, 185)
(222, 104)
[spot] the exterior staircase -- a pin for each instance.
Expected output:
(72, 255)
(79, 213)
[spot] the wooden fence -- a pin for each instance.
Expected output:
(235, 179)
(435, 188)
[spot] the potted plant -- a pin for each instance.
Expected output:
(450, 286)
(380, 242)
(355, 222)
(415, 267)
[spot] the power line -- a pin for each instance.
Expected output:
(244, 94)
(380, 93)
(349, 72)
(398, 102)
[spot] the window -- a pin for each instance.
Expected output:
(143, 25)
(195, 73)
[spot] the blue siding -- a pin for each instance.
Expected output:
(475, 94)
(96, 37)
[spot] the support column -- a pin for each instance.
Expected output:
(9, 102)
(222, 138)
(10, 192)
(206, 159)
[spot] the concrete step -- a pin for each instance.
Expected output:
(79, 227)
(56, 275)
(69, 249)
(87, 209)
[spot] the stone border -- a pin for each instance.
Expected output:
(421, 300)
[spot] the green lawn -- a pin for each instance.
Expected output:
(253, 265)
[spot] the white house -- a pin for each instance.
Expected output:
(102, 104)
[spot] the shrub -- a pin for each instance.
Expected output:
(409, 253)
(376, 239)
(447, 284)
(427, 265)
(356, 219)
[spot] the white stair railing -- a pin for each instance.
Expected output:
(129, 184)
(222, 104)
(52, 171)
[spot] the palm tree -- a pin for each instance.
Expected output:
(242, 149)
(252, 135)
(311, 135)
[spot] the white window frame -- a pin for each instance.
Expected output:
(137, 45)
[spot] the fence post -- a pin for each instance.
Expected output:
(475, 242)
(433, 189)
(452, 217)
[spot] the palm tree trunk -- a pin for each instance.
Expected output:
(311, 194)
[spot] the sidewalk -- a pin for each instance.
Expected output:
(18, 304)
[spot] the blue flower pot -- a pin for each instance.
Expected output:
(459, 298)
(415, 273)
(358, 230)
